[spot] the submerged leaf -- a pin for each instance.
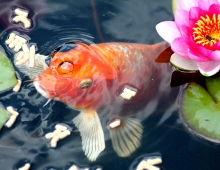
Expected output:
(4, 115)
(7, 76)
(201, 109)
(179, 78)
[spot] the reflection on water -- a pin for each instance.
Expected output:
(55, 22)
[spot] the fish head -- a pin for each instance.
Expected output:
(79, 77)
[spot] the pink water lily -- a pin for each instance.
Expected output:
(195, 33)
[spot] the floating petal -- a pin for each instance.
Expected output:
(183, 63)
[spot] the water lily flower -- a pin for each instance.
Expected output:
(195, 34)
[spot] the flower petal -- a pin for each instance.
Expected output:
(186, 5)
(194, 54)
(205, 4)
(214, 9)
(183, 63)
(215, 55)
(168, 30)
(208, 68)
(180, 47)
(186, 33)
(181, 18)
(194, 15)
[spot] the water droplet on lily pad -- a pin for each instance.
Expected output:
(200, 108)
(7, 73)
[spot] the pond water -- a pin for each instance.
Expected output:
(55, 22)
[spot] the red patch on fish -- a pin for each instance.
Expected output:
(87, 77)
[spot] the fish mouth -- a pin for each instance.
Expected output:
(40, 89)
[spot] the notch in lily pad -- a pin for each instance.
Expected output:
(7, 77)
(200, 108)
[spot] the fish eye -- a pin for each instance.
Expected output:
(85, 84)
(65, 67)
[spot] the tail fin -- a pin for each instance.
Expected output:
(125, 134)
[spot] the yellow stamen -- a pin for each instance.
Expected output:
(206, 31)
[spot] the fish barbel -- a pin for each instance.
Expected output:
(90, 77)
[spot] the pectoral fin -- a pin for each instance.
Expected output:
(90, 129)
(125, 134)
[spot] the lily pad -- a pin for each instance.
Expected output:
(4, 115)
(200, 108)
(175, 5)
(7, 73)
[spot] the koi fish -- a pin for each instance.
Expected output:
(103, 77)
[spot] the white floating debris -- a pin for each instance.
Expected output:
(60, 133)
(25, 48)
(19, 55)
(64, 134)
(32, 54)
(24, 20)
(10, 38)
(73, 167)
(52, 134)
(10, 121)
(154, 161)
(17, 86)
(129, 91)
(21, 12)
(150, 167)
(115, 123)
(125, 96)
(149, 164)
(141, 165)
(12, 118)
(31, 62)
(12, 111)
(18, 46)
(32, 51)
(25, 167)
(23, 60)
(60, 127)
(13, 43)
(21, 39)
(53, 142)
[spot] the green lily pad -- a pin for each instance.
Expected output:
(175, 5)
(7, 73)
(200, 108)
(4, 115)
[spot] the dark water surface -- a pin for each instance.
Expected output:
(55, 22)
